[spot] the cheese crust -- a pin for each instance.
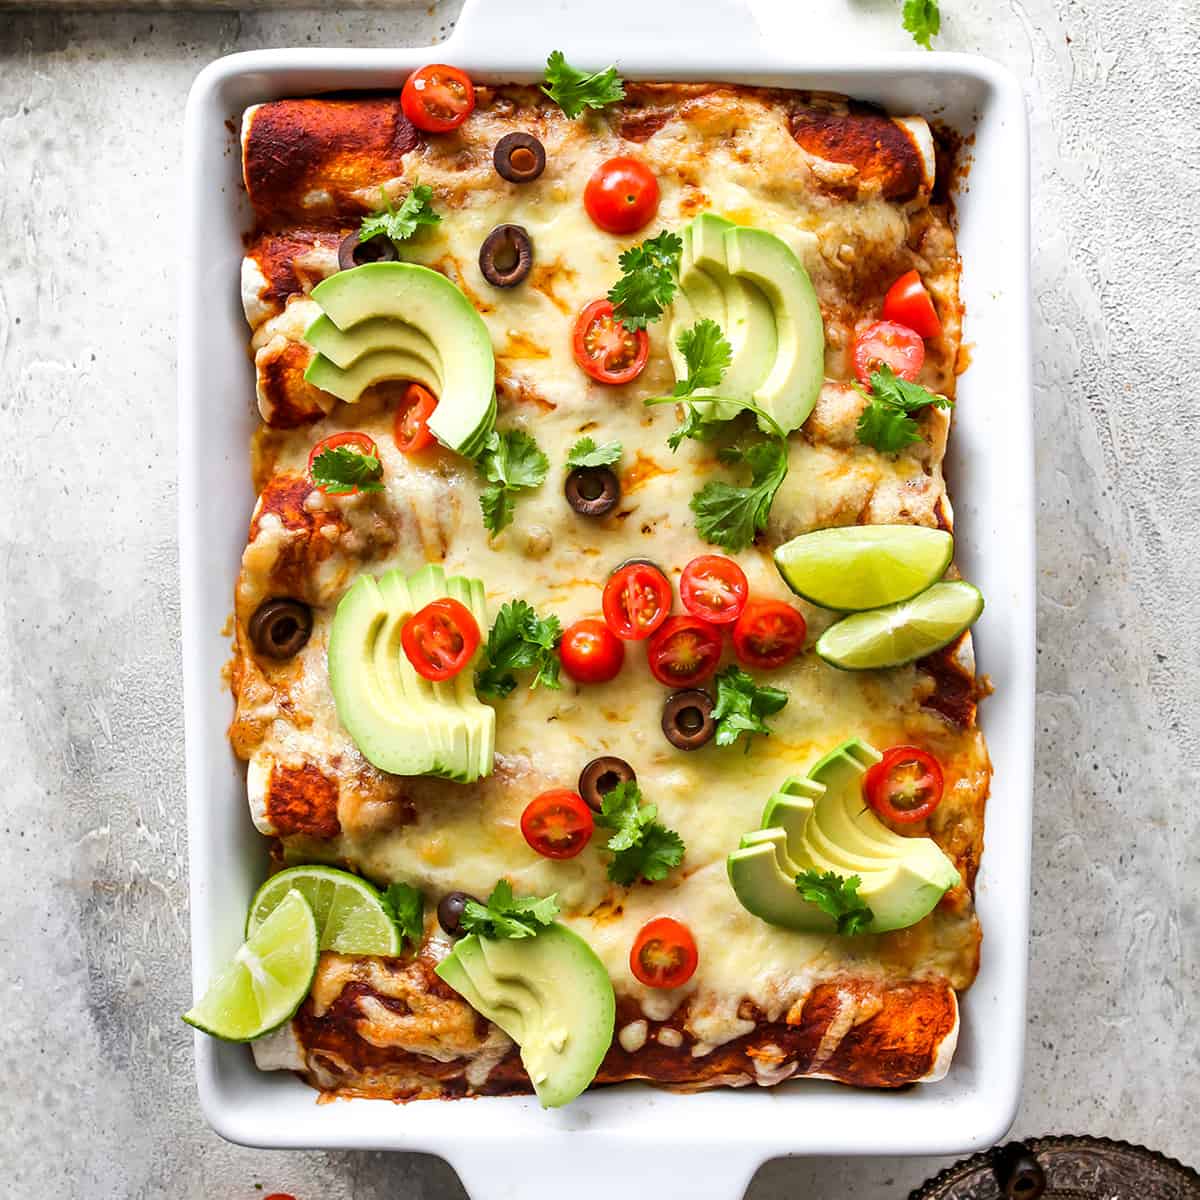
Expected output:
(855, 193)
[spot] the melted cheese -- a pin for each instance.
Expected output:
(466, 837)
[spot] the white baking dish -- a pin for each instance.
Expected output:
(632, 1131)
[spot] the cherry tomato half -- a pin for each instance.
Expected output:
(664, 954)
(558, 824)
(768, 634)
(637, 599)
(908, 302)
(438, 98)
(893, 345)
(622, 195)
(605, 349)
(410, 424)
(684, 651)
(359, 441)
(714, 588)
(440, 639)
(591, 652)
(905, 785)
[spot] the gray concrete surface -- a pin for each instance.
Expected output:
(98, 1098)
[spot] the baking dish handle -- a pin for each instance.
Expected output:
(499, 30)
(644, 1168)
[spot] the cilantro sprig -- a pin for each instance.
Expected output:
(340, 469)
(643, 848)
(887, 423)
(400, 223)
(585, 453)
(574, 90)
(510, 462)
(406, 906)
(743, 706)
(923, 19)
(649, 279)
(838, 896)
(730, 516)
(508, 916)
(519, 640)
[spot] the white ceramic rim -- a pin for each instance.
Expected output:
(632, 1130)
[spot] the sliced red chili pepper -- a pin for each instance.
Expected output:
(410, 425)
(906, 785)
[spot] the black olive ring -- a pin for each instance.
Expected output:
(592, 491)
(353, 253)
(280, 628)
(687, 719)
(506, 256)
(599, 778)
(519, 157)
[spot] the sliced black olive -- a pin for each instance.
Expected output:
(450, 910)
(279, 628)
(638, 562)
(599, 778)
(519, 157)
(353, 253)
(687, 719)
(506, 256)
(592, 491)
(1018, 1172)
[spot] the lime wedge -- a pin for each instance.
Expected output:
(350, 914)
(889, 637)
(864, 566)
(268, 979)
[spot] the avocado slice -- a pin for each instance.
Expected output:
(402, 723)
(749, 322)
(431, 304)
(768, 892)
(368, 337)
(368, 370)
(790, 388)
(551, 994)
(699, 298)
(821, 823)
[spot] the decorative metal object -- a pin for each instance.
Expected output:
(1064, 1168)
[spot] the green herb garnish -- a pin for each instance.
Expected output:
(838, 896)
(519, 640)
(574, 90)
(511, 462)
(650, 275)
(585, 453)
(731, 517)
(509, 916)
(341, 470)
(399, 224)
(407, 908)
(742, 706)
(886, 423)
(642, 847)
(923, 19)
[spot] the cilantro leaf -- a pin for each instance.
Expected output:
(886, 423)
(519, 639)
(511, 461)
(509, 916)
(742, 706)
(838, 896)
(406, 906)
(730, 516)
(340, 470)
(574, 90)
(650, 275)
(585, 453)
(642, 847)
(923, 19)
(707, 354)
(399, 224)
